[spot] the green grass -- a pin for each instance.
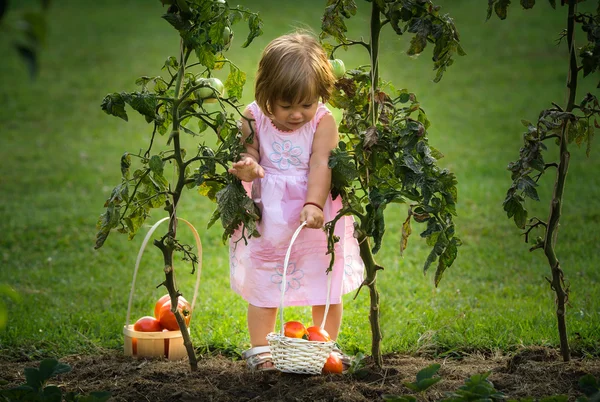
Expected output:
(60, 158)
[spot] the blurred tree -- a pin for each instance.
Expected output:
(27, 30)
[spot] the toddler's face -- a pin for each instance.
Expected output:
(291, 116)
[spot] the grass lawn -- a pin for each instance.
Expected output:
(59, 160)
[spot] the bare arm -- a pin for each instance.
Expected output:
(247, 168)
(319, 175)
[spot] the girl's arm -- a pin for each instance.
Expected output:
(247, 168)
(319, 175)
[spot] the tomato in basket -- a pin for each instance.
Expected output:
(333, 365)
(295, 329)
(316, 333)
(162, 301)
(167, 318)
(147, 324)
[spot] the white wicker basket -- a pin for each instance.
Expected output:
(296, 355)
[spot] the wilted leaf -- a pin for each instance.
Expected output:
(114, 104)
(235, 82)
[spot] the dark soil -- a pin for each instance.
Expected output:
(533, 372)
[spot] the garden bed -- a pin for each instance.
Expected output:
(534, 372)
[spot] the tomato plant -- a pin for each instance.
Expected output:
(295, 329)
(561, 126)
(316, 333)
(169, 102)
(147, 324)
(384, 155)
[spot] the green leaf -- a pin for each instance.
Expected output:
(417, 45)
(156, 165)
(176, 20)
(513, 205)
(33, 378)
(501, 8)
(102, 396)
(235, 82)
(528, 186)
(142, 102)
(114, 104)
(527, 4)
(428, 372)
(423, 384)
(52, 393)
(125, 165)
(397, 398)
(206, 55)
(589, 385)
(52, 367)
(255, 25)
(235, 208)
(107, 221)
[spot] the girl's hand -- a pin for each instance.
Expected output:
(247, 169)
(313, 217)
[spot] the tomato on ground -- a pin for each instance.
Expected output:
(147, 324)
(316, 333)
(333, 364)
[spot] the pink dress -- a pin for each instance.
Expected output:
(256, 268)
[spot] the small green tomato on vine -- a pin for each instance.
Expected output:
(227, 36)
(206, 92)
(338, 68)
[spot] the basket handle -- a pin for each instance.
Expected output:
(284, 282)
(141, 252)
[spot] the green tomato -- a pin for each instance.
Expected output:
(206, 92)
(338, 68)
(226, 36)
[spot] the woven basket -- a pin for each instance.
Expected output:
(296, 355)
(168, 344)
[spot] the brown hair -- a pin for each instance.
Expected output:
(293, 68)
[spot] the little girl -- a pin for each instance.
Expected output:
(287, 164)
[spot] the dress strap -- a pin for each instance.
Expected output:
(322, 110)
(258, 116)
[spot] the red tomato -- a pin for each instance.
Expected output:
(316, 333)
(162, 301)
(333, 365)
(295, 329)
(167, 318)
(134, 346)
(147, 324)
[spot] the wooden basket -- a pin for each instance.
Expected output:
(168, 344)
(296, 355)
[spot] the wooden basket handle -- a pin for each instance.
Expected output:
(141, 252)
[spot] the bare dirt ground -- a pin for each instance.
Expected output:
(533, 373)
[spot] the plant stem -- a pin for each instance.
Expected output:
(557, 197)
(167, 249)
(371, 268)
(374, 54)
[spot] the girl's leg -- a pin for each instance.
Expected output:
(334, 318)
(261, 321)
